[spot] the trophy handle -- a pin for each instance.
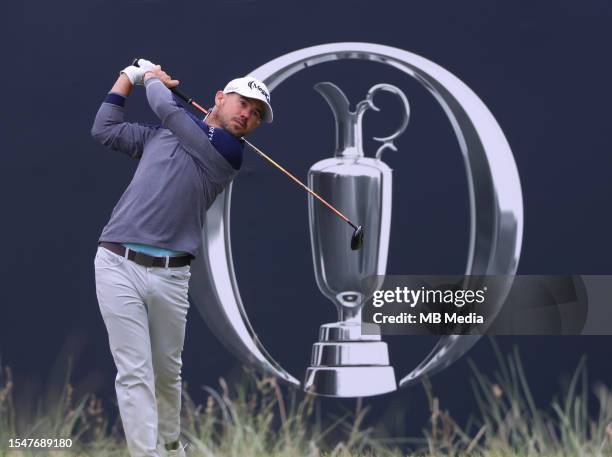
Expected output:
(387, 141)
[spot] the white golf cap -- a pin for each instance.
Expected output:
(251, 88)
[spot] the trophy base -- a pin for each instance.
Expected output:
(355, 381)
(350, 353)
(346, 363)
(342, 331)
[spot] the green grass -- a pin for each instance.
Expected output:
(257, 418)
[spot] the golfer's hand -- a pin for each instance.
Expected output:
(146, 65)
(162, 75)
(134, 74)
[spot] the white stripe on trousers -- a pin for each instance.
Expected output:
(145, 311)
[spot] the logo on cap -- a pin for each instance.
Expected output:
(253, 85)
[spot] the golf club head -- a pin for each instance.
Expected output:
(357, 239)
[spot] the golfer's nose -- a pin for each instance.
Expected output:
(247, 113)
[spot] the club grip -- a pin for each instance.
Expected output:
(181, 95)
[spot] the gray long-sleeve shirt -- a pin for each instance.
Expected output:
(177, 179)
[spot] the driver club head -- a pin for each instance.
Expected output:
(357, 239)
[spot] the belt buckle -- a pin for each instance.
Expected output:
(143, 259)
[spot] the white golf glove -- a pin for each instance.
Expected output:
(146, 65)
(135, 74)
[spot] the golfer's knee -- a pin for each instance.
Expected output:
(133, 371)
(167, 369)
(134, 379)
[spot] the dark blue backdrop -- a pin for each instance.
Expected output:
(542, 69)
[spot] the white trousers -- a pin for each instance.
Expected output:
(145, 311)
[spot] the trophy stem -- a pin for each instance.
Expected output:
(349, 316)
(349, 306)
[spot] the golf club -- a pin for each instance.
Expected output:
(356, 239)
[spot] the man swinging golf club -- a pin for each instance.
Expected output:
(142, 265)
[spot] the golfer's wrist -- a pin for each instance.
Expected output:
(148, 75)
(122, 86)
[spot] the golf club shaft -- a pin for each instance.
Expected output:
(304, 186)
(190, 101)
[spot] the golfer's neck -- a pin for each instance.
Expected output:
(212, 120)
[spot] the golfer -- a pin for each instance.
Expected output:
(142, 265)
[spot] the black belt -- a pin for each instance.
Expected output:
(144, 259)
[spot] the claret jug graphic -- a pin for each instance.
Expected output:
(346, 363)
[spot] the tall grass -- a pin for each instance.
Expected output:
(257, 417)
(510, 419)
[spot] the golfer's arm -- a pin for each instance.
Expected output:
(122, 86)
(109, 127)
(176, 119)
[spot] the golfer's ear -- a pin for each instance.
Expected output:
(219, 97)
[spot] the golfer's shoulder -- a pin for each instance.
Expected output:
(227, 145)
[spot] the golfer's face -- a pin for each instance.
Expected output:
(240, 115)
